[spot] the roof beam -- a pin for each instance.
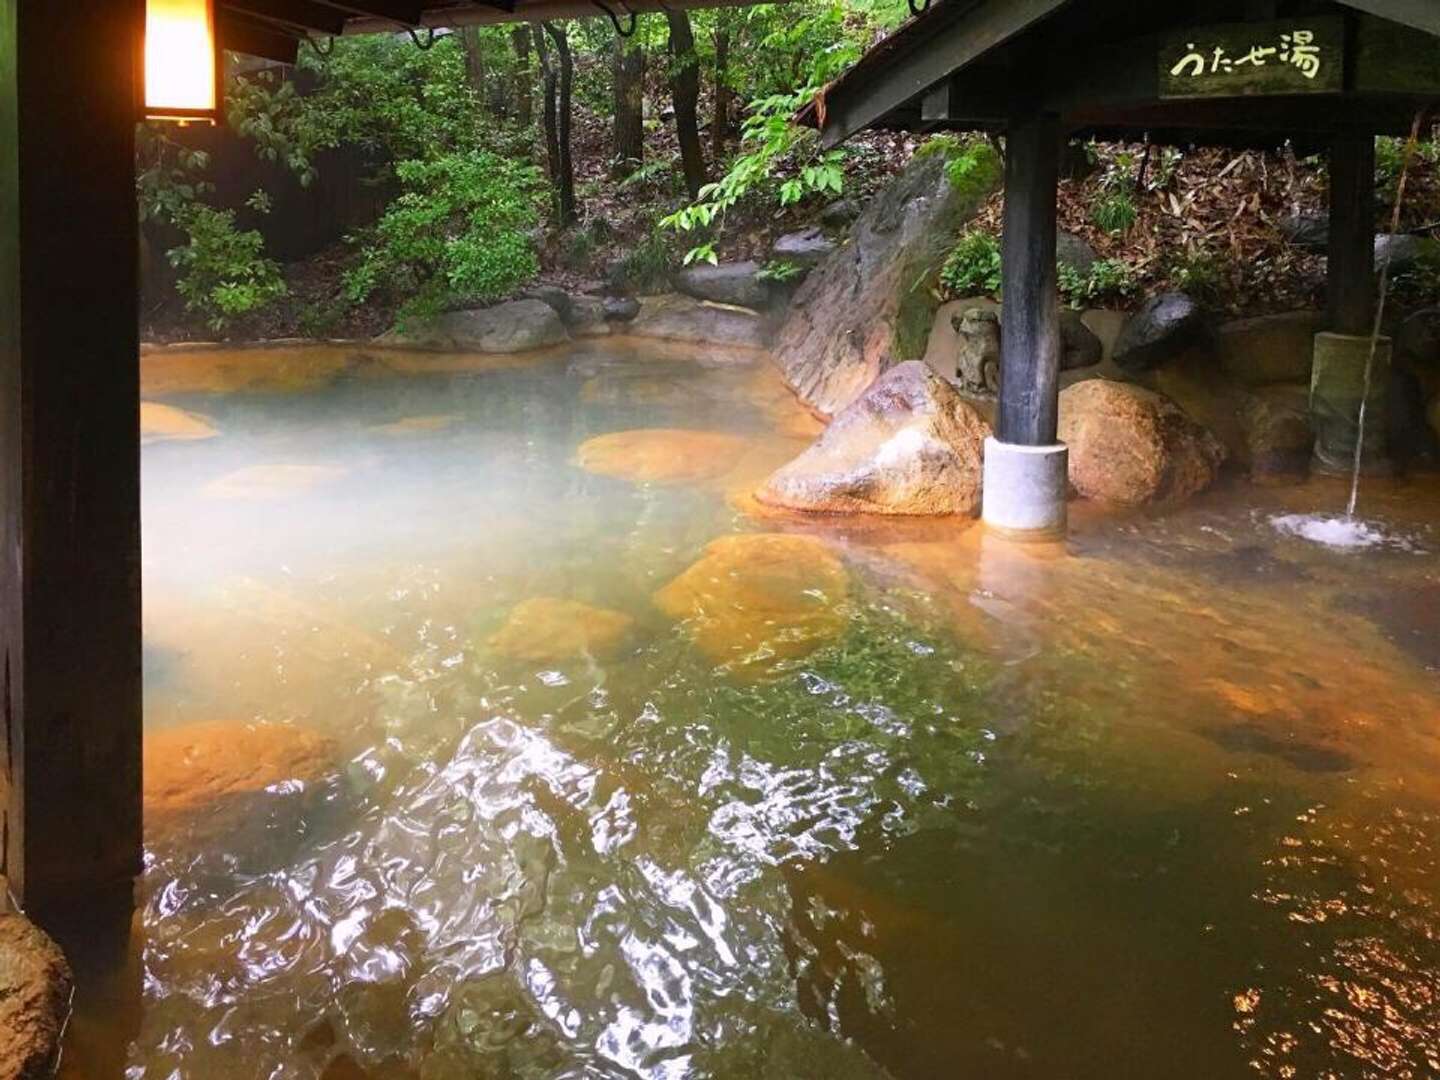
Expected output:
(240, 35)
(1420, 14)
(987, 25)
(484, 14)
(404, 12)
(298, 14)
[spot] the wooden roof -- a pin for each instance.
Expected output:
(274, 28)
(972, 64)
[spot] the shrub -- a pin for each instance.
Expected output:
(973, 267)
(1115, 212)
(972, 164)
(646, 266)
(1202, 274)
(223, 273)
(1107, 280)
(458, 233)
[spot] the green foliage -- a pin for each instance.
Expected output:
(1202, 274)
(973, 165)
(1418, 284)
(973, 266)
(780, 270)
(1108, 280)
(223, 273)
(269, 111)
(646, 266)
(169, 177)
(458, 233)
(769, 142)
(1115, 212)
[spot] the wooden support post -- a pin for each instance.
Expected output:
(1351, 269)
(1030, 319)
(70, 651)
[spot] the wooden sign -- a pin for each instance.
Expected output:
(1294, 56)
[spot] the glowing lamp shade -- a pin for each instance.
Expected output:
(181, 61)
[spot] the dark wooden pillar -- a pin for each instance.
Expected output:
(1030, 319)
(69, 452)
(1351, 265)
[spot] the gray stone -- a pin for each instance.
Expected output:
(840, 213)
(683, 318)
(1075, 252)
(515, 326)
(1408, 430)
(621, 308)
(586, 317)
(728, 283)
(1270, 348)
(1308, 231)
(1080, 347)
(910, 445)
(553, 295)
(872, 303)
(977, 359)
(35, 987)
(808, 247)
(1418, 339)
(1166, 326)
(1279, 439)
(1401, 251)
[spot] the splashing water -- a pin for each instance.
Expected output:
(1338, 532)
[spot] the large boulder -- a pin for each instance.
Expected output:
(1279, 438)
(1270, 348)
(909, 445)
(511, 327)
(1080, 347)
(1402, 251)
(683, 318)
(35, 987)
(1418, 339)
(737, 283)
(1132, 446)
(871, 304)
(1165, 327)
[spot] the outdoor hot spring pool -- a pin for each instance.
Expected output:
(464, 760)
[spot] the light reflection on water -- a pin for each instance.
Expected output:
(1166, 805)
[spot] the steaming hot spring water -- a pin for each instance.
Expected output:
(481, 744)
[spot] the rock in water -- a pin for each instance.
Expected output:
(1132, 446)
(545, 629)
(728, 283)
(515, 326)
(909, 445)
(661, 455)
(683, 318)
(755, 599)
(1166, 326)
(165, 423)
(35, 986)
(232, 787)
(870, 305)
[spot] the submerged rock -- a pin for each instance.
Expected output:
(755, 599)
(514, 326)
(728, 283)
(683, 318)
(546, 628)
(1132, 446)
(35, 988)
(661, 455)
(418, 425)
(231, 784)
(1166, 326)
(165, 423)
(909, 445)
(871, 304)
(272, 481)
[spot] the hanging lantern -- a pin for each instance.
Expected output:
(182, 61)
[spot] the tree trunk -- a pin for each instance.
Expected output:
(720, 130)
(559, 80)
(629, 107)
(685, 89)
(474, 61)
(524, 109)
